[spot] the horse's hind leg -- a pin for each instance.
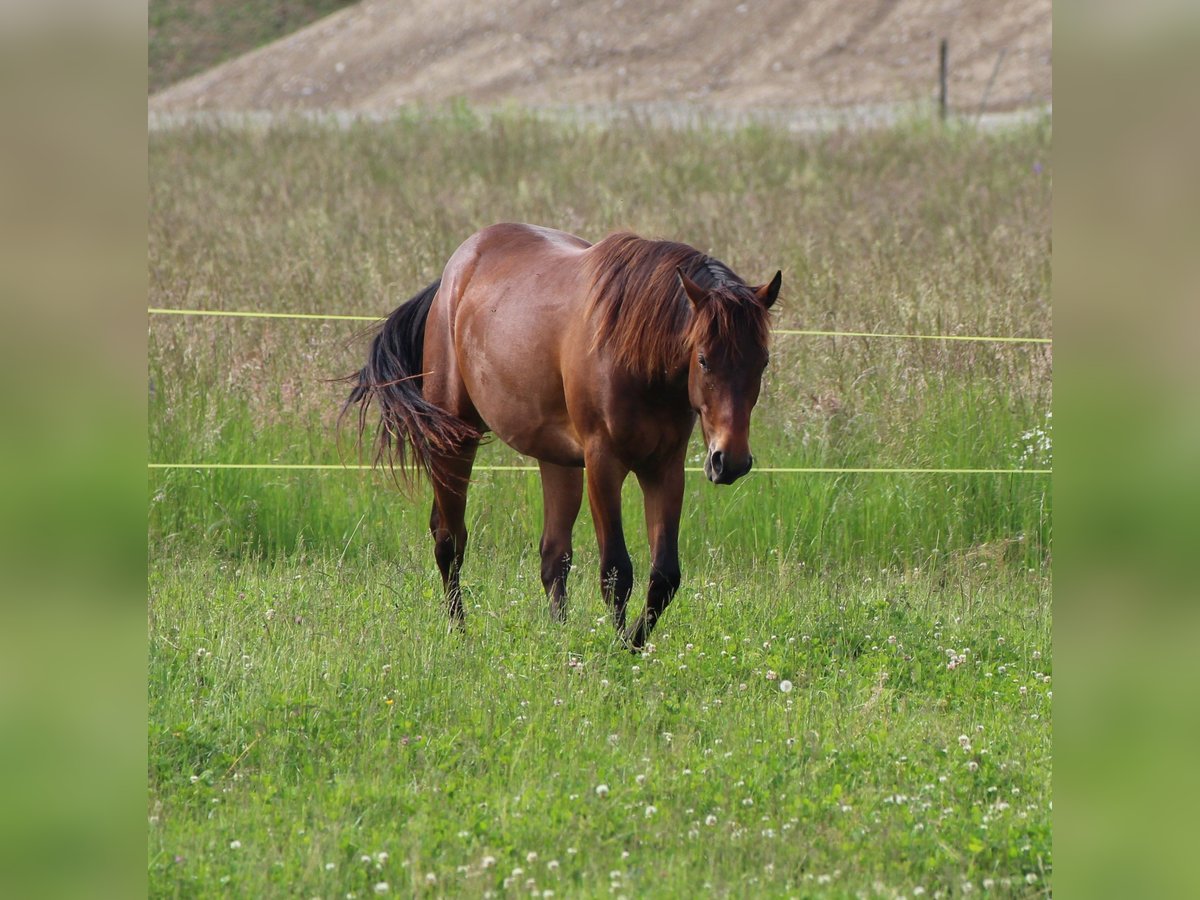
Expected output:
(448, 524)
(562, 495)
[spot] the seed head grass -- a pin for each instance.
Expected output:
(797, 725)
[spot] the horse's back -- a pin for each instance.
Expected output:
(510, 309)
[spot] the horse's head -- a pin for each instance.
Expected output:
(728, 346)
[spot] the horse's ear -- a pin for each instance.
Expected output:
(695, 293)
(768, 292)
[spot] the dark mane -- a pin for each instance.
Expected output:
(642, 317)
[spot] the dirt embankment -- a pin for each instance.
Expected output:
(733, 56)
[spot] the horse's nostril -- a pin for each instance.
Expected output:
(718, 462)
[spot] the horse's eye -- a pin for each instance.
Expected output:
(703, 362)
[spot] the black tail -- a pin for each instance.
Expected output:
(411, 430)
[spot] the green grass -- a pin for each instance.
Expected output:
(288, 727)
(189, 36)
(319, 712)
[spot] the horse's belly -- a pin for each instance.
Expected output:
(515, 385)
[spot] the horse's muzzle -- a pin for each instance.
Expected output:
(721, 470)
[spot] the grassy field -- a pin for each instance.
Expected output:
(308, 711)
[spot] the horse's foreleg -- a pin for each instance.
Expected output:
(562, 494)
(664, 502)
(448, 524)
(604, 479)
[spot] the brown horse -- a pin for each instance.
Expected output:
(598, 356)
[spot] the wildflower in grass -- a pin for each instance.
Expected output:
(531, 857)
(1031, 878)
(772, 675)
(329, 867)
(552, 865)
(381, 857)
(972, 766)
(786, 687)
(382, 887)
(487, 862)
(710, 819)
(641, 779)
(602, 790)
(235, 845)
(651, 810)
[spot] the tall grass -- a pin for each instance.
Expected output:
(313, 729)
(912, 230)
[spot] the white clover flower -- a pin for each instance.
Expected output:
(382, 887)
(531, 856)
(650, 811)
(329, 867)
(641, 779)
(487, 862)
(430, 878)
(235, 845)
(785, 686)
(1031, 878)
(602, 790)
(710, 819)
(552, 865)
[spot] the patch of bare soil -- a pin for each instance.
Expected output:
(750, 55)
